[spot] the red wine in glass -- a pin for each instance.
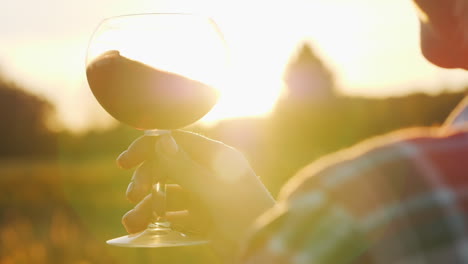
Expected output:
(145, 97)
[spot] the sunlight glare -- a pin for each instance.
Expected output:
(200, 53)
(182, 44)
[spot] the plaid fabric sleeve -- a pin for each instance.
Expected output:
(398, 202)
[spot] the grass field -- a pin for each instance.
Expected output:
(64, 211)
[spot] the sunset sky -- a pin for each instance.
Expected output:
(371, 46)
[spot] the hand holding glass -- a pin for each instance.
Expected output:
(156, 71)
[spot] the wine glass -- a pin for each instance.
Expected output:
(156, 72)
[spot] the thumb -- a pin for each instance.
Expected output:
(166, 145)
(174, 162)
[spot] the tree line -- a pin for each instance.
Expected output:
(310, 120)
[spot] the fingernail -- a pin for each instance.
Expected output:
(130, 189)
(127, 223)
(120, 160)
(168, 145)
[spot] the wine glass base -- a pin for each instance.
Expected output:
(151, 239)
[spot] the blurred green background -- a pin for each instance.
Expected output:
(62, 196)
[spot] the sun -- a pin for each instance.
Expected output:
(193, 46)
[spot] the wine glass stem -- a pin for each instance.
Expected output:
(158, 193)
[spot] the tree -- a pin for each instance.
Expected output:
(23, 117)
(307, 79)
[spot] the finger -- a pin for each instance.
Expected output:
(134, 221)
(177, 199)
(201, 149)
(140, 186)
(141, 182)
(224, 162)
(176, 164)
(179, 220)
(186, 221)
(140, 149)
(139, 217)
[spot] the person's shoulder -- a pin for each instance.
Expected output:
(363, 181)
(387, 154)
